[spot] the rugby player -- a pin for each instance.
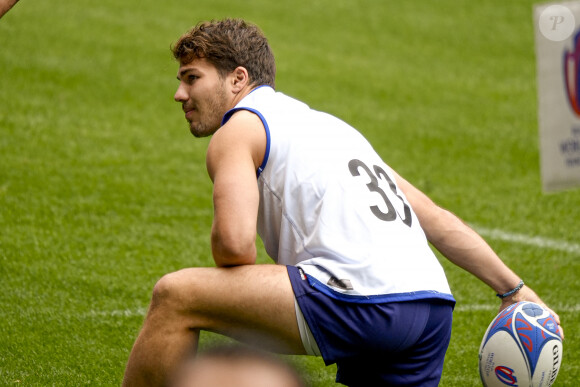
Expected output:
(355, 281)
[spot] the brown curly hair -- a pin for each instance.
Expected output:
(227, 44)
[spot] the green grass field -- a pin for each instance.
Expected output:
(103, 189)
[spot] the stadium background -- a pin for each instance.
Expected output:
(103, 189)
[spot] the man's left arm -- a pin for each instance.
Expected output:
(234, 154)
(5, 6)
(465, 248)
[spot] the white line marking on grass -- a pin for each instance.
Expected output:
(475, 307)
(119, 313)
(538, 241)
(459, 308)
(491, 233)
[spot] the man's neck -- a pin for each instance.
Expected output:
(242, 94)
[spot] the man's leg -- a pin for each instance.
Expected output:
(254, 304)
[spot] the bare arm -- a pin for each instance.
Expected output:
(235, 152)
(464, 247)
(5, 6)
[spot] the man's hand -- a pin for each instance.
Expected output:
(527, 294)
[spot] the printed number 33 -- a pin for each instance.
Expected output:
(355, 166)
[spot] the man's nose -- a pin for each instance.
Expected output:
(180, 94)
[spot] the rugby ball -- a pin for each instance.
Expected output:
(521, 347)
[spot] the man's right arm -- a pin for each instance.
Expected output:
(234, 153)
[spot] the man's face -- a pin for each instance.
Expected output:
(203, 95)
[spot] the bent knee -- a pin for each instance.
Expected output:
(174, 290)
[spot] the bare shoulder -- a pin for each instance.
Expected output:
(421, 204)
(242, 137)
(408, 189)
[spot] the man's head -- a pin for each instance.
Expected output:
(218, 60)
(227, 44)
(234, 366)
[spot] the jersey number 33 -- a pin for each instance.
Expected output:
(376, 175)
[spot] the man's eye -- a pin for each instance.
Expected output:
(192, 78)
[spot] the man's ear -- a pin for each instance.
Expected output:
(240, 79)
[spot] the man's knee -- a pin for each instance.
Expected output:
(175, 291)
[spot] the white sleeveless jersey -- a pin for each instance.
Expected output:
(330, 205)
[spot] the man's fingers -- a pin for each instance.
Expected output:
(556, 318)
(506, 303)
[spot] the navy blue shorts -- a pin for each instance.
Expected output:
(396, 343)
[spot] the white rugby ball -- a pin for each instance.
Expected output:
(521, 347)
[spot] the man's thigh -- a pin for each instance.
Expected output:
(251, 303)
